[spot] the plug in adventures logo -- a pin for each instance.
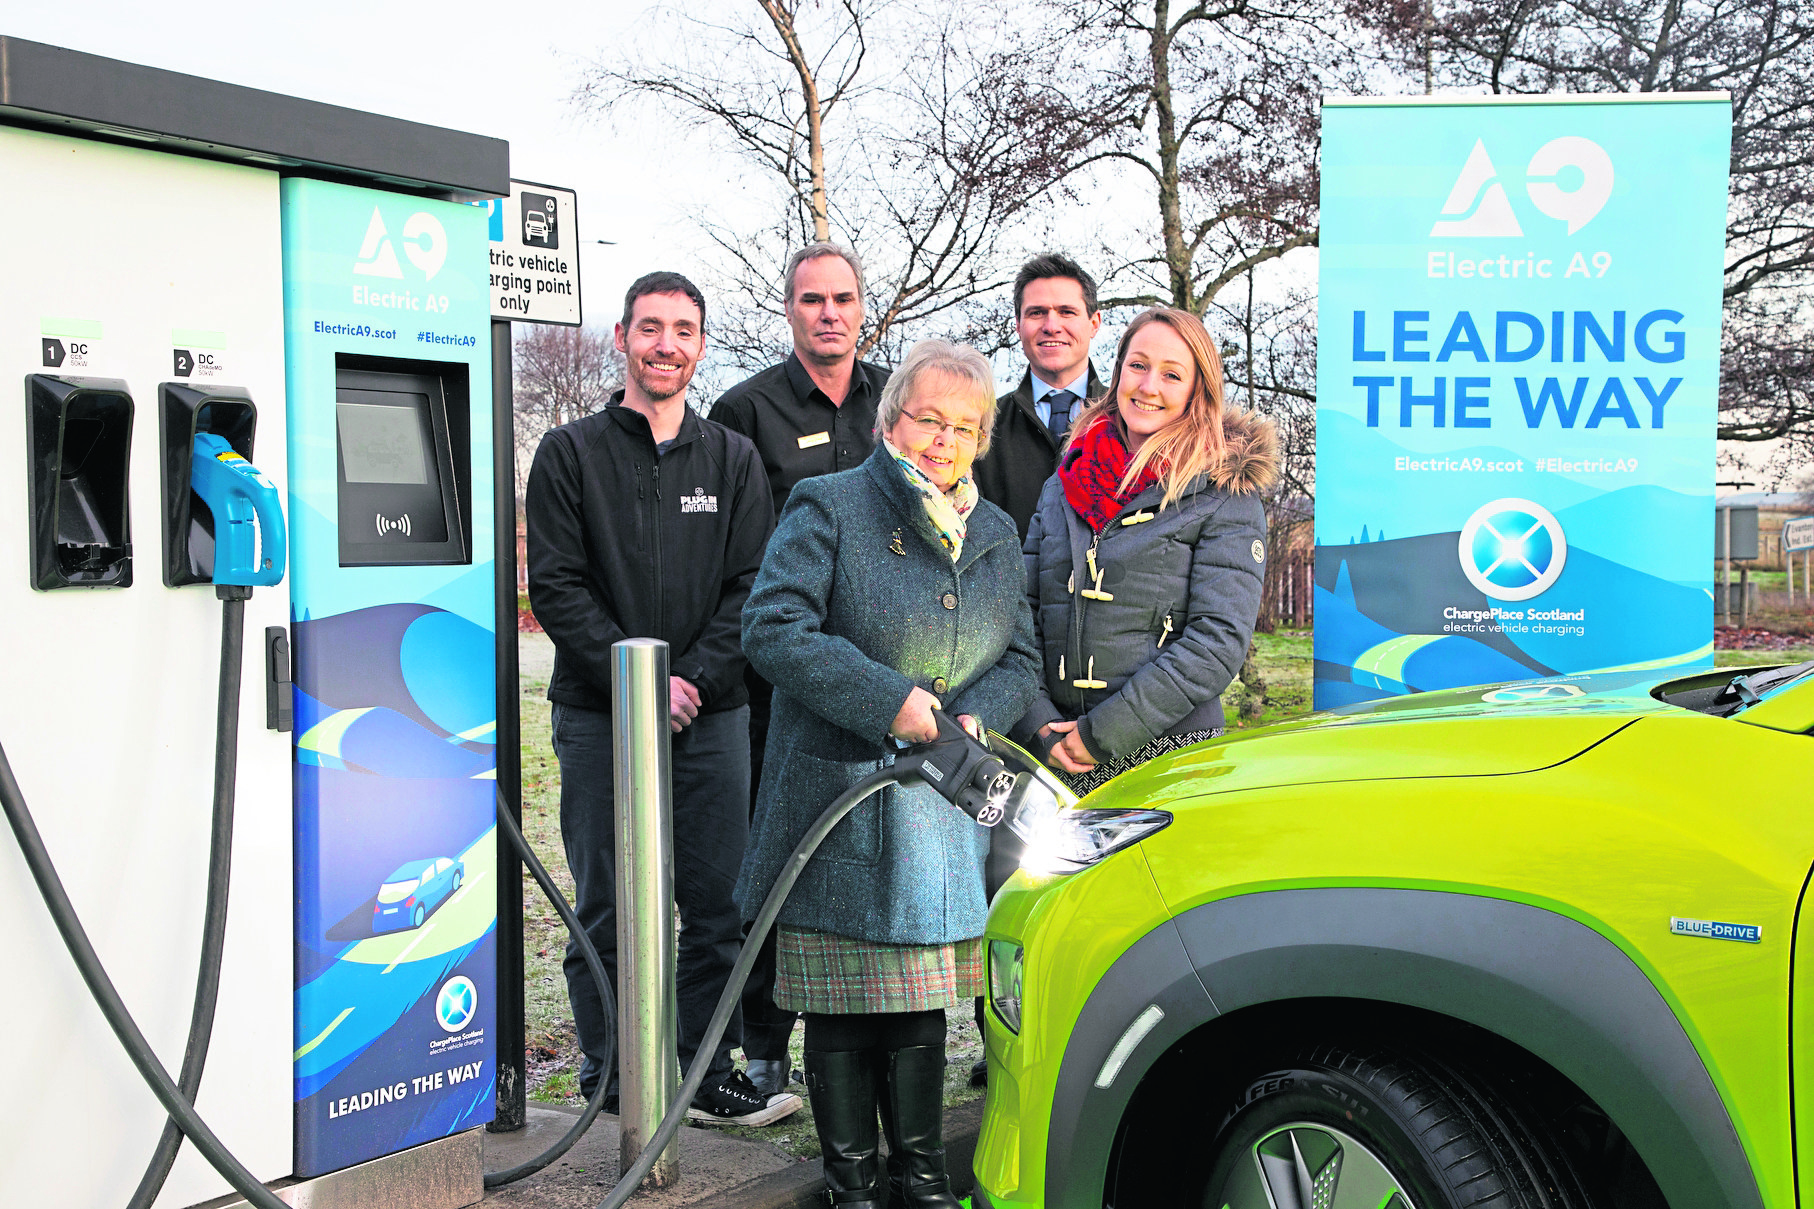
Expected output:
(699, 501)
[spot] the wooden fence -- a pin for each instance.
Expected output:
(1288, 589)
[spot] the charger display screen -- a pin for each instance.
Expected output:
(385, 444)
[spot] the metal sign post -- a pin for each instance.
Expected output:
(534, 269)
(1798, 537)
(647, 1045)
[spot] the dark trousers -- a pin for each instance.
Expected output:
(766, 1028)
(710, 761)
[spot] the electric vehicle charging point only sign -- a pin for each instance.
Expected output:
(535, 255)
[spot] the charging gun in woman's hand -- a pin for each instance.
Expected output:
(962, 770)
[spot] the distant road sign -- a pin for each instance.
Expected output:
(1798, 534)
(535, 255)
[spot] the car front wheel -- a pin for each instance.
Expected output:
(1368, 1128)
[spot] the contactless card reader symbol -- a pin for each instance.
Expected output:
(540, 224)
(387, 526)
(1512, 549)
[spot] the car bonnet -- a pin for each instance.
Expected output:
(1485, 730)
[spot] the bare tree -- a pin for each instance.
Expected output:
(559, 374)
(1760, 51)
(891, 127)
(1213, 104)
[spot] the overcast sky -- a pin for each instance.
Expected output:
(502, 69)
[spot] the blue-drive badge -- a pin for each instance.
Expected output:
(1708, 929)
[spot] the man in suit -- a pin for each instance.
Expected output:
(1056, 316)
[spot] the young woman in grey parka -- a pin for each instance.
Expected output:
(1145, 557)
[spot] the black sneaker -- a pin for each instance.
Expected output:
(735, 1101)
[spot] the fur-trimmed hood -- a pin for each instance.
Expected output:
(1250, 463)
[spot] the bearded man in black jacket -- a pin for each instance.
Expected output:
(645, 520)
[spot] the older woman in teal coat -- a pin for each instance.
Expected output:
(887, 591)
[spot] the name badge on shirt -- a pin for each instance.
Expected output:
(816, 438)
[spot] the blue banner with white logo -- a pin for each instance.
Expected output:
(1517, 379)
(395, 685)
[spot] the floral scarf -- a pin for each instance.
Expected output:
(949, 511)
(1091, 473)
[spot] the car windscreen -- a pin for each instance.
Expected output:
(1723, 696)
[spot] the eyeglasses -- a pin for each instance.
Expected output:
(931, 426)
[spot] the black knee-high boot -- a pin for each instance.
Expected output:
(843, 1090)
(913, 1113)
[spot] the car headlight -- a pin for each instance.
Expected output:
(1062, 839)
(1005, 959)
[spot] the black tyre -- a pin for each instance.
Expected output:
(1375, 1128)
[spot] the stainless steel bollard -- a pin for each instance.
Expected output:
(646, 1005)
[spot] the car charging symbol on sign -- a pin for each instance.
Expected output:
(541, 227)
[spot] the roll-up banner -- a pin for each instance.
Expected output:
(1517, 379)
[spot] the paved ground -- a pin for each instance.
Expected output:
(717, 1170)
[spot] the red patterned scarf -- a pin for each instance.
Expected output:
(1091, 472)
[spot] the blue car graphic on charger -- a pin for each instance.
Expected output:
(415, 889)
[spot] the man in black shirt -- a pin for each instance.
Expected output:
(812, 414)
(1056, 316)
(815, 412)
(645, 520)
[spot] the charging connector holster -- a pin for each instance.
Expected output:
(184, 410)
(79, 446)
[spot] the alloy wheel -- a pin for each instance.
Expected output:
(1303, 1165)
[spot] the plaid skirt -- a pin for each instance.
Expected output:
(824, 972)
(1102, 774)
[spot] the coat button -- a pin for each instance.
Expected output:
(949, 600)
(939, 685)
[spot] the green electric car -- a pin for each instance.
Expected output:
(1526, 945)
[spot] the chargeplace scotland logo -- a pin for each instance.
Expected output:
(456, 1004)
(1512, 549)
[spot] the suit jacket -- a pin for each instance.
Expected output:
(1022, 455)
(856, 604)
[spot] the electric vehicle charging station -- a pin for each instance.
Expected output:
(197, 260)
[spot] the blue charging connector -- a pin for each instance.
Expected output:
(250, 545)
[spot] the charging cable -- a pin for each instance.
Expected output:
(959, 767)
(101, 987)
(220, 868)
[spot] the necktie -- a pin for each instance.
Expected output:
(1058, 419)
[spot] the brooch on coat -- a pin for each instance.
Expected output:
(896, 546)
